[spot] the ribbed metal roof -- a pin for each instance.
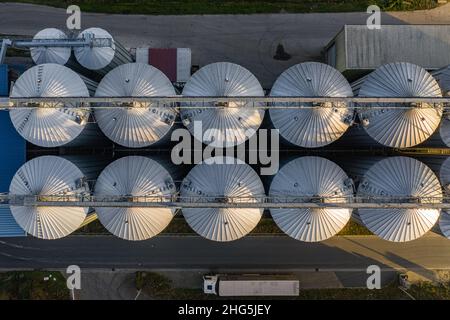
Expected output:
(312, 127)
(142, 124)
(399, 127)
(400, 177)
(444, 223)
(223, 79)
(444, 176)
(219, 181)
(58, 55)
(311, 177)
(95, 58)
(47, 176)
(443, 78)
(49, 127)
(131, 177)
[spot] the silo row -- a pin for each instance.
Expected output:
(137, 125)
(228, 180)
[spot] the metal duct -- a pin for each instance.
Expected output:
(49, 176)
(403, 179)
(400, 125)
(140, 124)
(224, 125)
(222, 179)
(58, 55)
(101, 59)
(135, 178)
(53, 125)
(318, 126)
(311, 179)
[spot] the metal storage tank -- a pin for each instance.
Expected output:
(48, 126)
(131, 178)
(443, 78)
(318, 126)
(221, 179)
(312, 179)
(406, 180)
(49, 176)
(400, 125)
(139, 124)
(49, 54)
(441, 166)
(226, 123)
(101, 59)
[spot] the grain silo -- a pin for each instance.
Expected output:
(400, 125)
(51, 54)
(441, 166)
(50, 178)
(51, 124)
(224, 124)
(317, 124)
(396, 179)
(139, 124)
(136, 179)
(223, 180)
(101, 59)
(315, 180)
(443, 78)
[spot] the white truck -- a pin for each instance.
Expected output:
(251, 285)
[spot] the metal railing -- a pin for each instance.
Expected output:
(185, 102)
(176, 201)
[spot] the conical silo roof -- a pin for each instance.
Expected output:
(311, 179)
(443, 78)
(48, 176)
(135, 177)
(444, 176)
(48, 126)
(49, 54)
(140, 124)
(226, 123)
(318, 126)
(222, 181)
(95, 58)
(400, 125)
(406, 179)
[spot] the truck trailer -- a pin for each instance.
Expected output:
(251, 285)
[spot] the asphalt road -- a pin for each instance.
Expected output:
(249, 40)
(254, 252)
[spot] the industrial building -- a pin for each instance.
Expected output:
(357, 50)
(87, 107)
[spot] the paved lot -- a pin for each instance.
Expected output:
(249, 40)
(353, 253)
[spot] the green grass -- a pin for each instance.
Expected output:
(158, 286)
(30, 285)
(164, 7)
(266, 226)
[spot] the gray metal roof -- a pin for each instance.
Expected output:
(321, 125)
(400, 177)
(227, 123)
(49, 127)
(142, 124)
(359, 48)
(132, 177)
(228, 178)
(58, 55)
(316, 178)
(397, 126)
(47, 176)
